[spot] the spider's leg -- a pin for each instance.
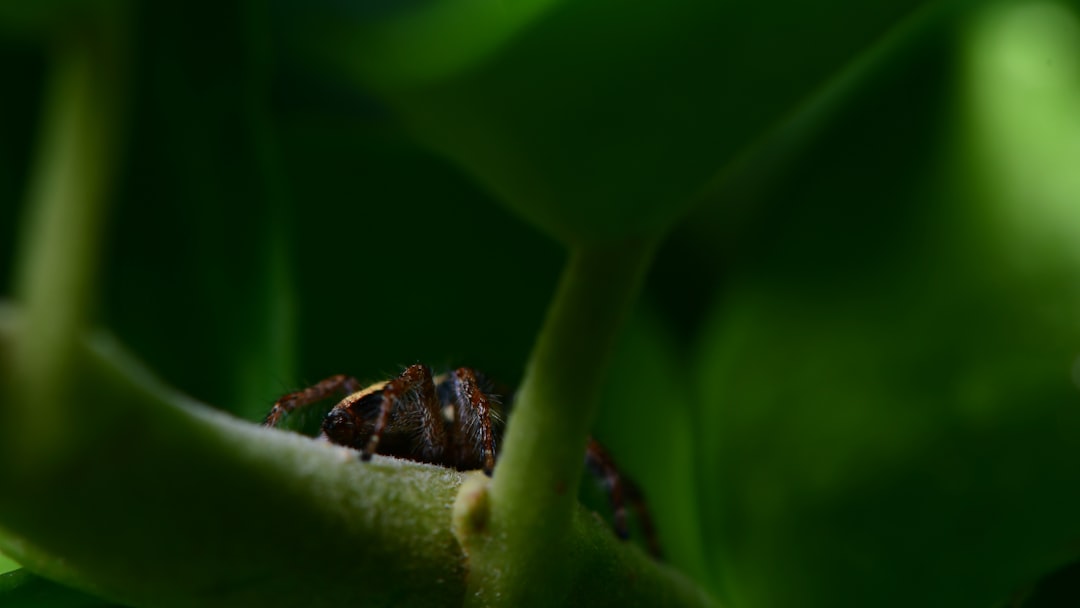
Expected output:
(601, 464)
(334, 385)
(414, 391)
(473, 419)
(620, 490)
(644, 517)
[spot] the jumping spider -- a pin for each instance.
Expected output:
(452, 420)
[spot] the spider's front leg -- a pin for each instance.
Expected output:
(411, 396)
(332, 386)
(474, 414)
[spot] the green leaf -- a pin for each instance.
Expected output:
(605, 119)
(20, 589)
(889, 392)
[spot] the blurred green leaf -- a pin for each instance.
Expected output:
(21, 589)
(603, 119)
(890, 404)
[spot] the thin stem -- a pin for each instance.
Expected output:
(59, 256)
(522, 558)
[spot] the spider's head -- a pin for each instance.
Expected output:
(340, 428)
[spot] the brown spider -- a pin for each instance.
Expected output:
(451, 420)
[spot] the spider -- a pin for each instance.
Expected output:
(452, 420)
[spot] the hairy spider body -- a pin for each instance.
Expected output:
(452, 420)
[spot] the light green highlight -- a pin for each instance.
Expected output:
(1022, 65)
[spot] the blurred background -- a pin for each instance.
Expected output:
(852, 378)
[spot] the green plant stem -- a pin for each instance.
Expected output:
(59, 255)
(170, 503)
(521, 559)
